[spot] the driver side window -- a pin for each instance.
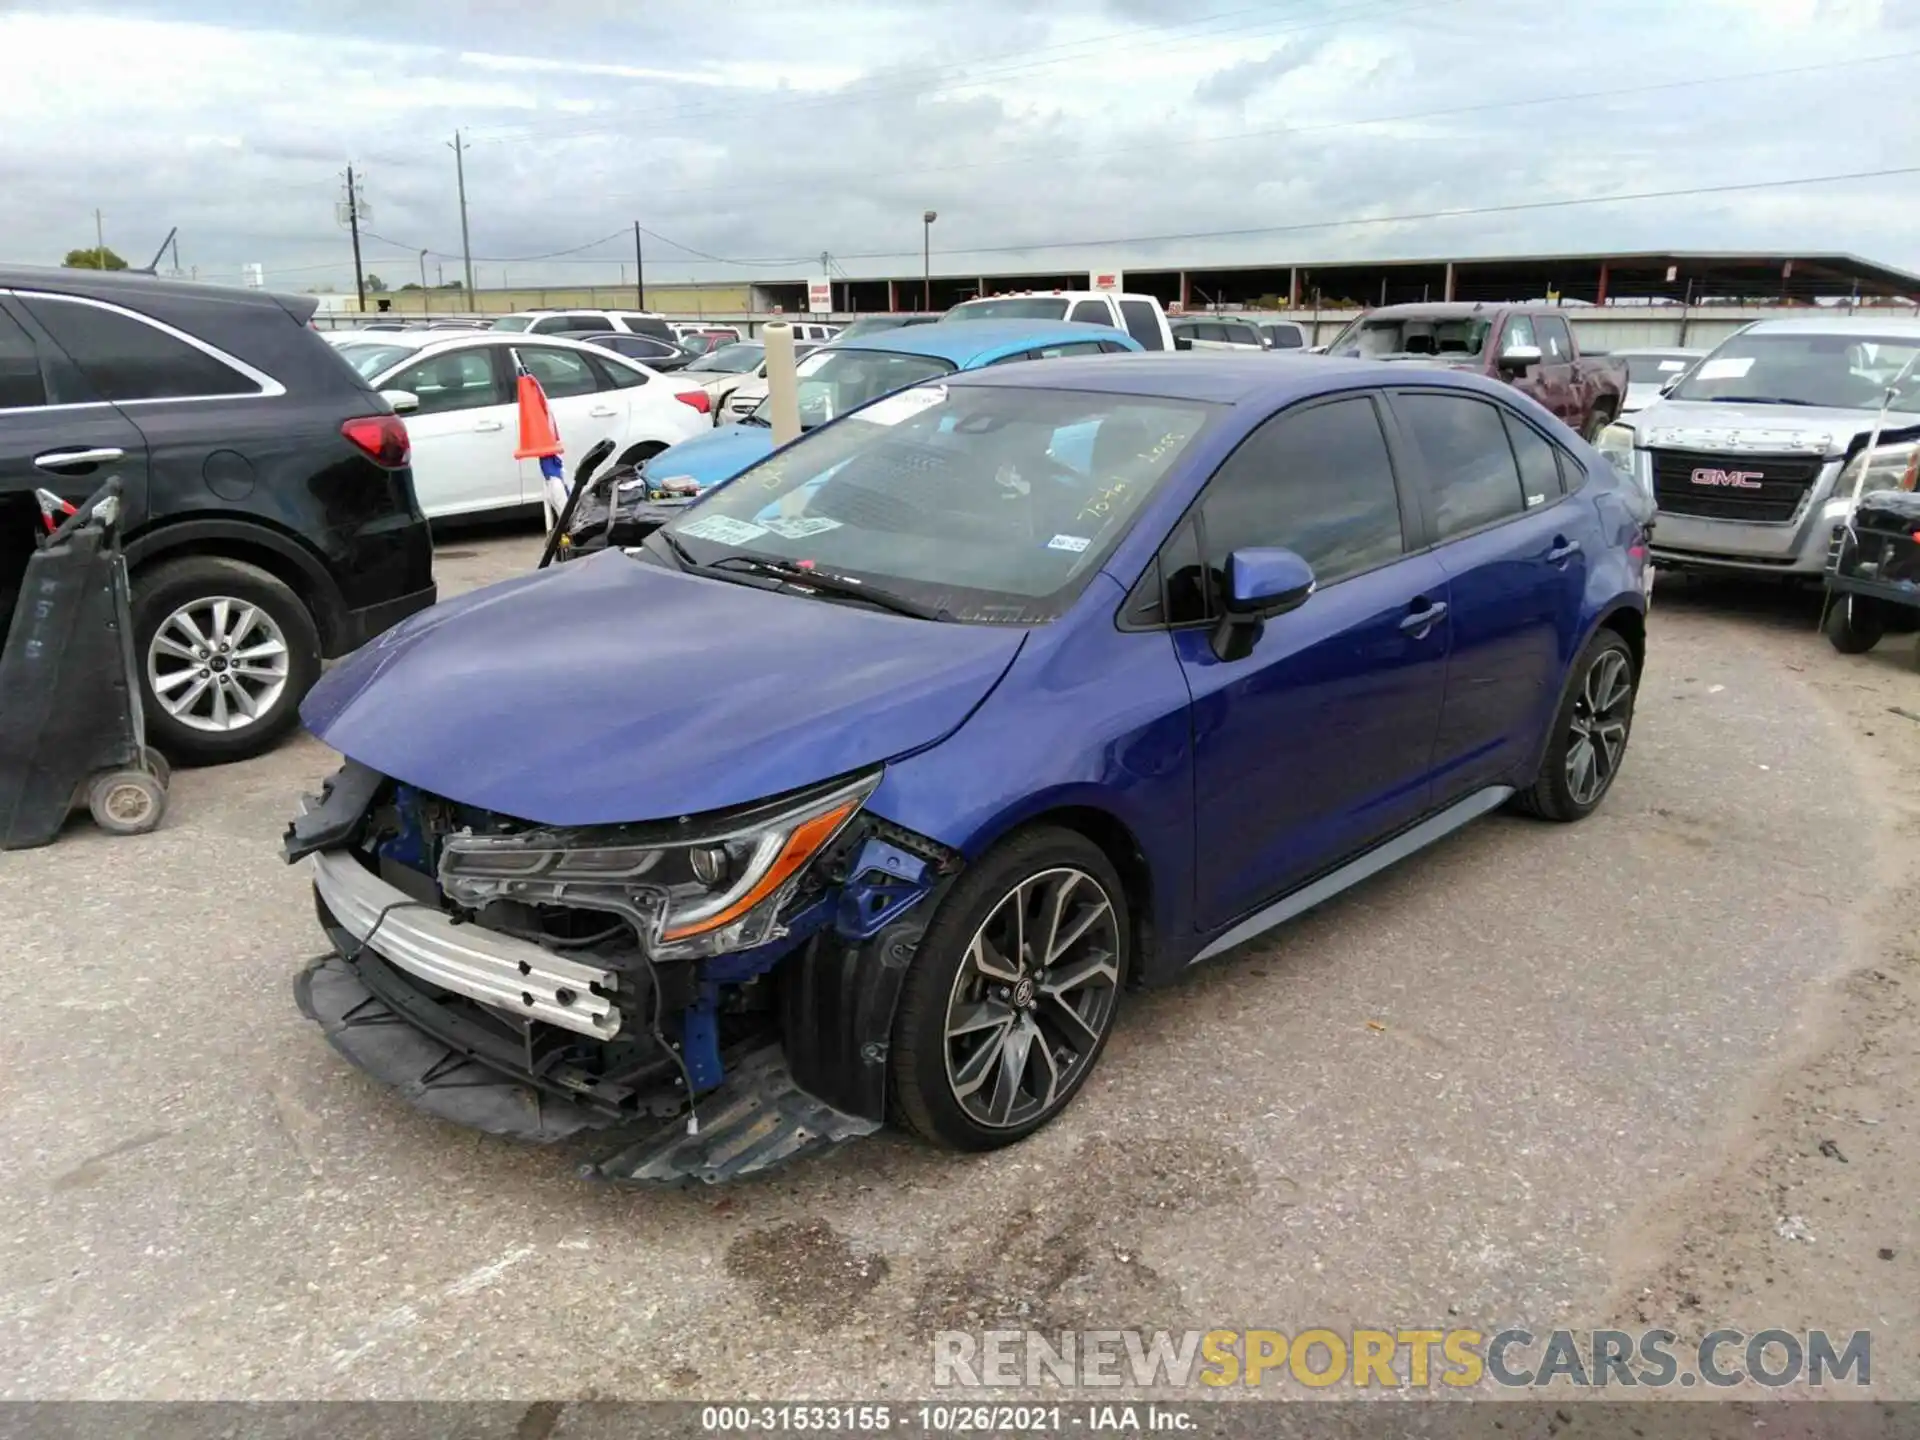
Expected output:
(457, 380)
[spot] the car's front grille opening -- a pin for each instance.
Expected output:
(1759, 489)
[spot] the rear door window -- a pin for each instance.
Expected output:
(560, 372)
(1092, 312)
(125, 357)
(1142, 318)
(22, 386)
(1472, 476)
(1243, 335)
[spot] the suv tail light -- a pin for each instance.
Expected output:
(698, 399)
(382, 437)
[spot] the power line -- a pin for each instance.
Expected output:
(1300, 228)
(654, 119)
(1324, 127)
(573, 250)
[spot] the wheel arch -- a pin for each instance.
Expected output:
(1115, 839)
(281, 556)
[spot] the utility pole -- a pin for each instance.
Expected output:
(426, 295)
(639, 274)
(926, 259)
(353, 224)
(460, 177)
(99, 242)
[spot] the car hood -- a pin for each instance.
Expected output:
(610, 690)
(711, 458)
(1760, 429)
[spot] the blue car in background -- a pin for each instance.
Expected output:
(866, 788)
(847, 374)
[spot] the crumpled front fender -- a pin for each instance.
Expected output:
(838, 994)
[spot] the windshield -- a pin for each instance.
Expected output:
(997, 505)
(1034, 307)
(834, 381)
(514, 322)
(730, 359)
(370, 360)
(1846, 372)
(1655, 369)
(1367, 339)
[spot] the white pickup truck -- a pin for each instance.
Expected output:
(1141, 316)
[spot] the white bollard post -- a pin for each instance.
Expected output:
(783, 388)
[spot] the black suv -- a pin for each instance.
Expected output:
(270, 517)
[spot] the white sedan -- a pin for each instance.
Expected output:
(456, 392)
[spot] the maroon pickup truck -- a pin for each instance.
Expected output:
(1532, 347)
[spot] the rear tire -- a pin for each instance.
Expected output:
(1855, 623)
(1588, 742)
(998, 1027)
(272, 660)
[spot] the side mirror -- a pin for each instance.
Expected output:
(404, 402)
(1518, 359)
(1260, 584)
(1183, 342)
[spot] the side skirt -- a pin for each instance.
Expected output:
(1391, 852)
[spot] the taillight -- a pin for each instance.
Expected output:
(382, 437)
(698, 399)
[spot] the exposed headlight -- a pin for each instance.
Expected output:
(1616, 443)
(689, 890)
(1892, 469)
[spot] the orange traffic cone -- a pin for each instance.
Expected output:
(539, 436)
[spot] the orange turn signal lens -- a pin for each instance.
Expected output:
(802, 845)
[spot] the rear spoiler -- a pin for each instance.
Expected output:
(300, 307)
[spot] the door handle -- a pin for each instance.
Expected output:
(484, 425)
(603, 412)
(1562, 549)
(69, 459)
(1421, 621)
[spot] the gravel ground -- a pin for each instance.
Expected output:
(1538, 1075)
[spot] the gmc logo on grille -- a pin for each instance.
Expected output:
(1729, 479)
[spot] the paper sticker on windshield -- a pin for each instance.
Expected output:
(905, 405)
(1725, 369)
(1073, 544)
(798, 527)
(1673, 364)
(723, 530)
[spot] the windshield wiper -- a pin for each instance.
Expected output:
(828, 583)
(1755, 400)
(680, 555)
(752, 419)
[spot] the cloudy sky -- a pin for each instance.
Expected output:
(763, 132)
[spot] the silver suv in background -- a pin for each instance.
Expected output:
(1752, 459)
(1216, 332)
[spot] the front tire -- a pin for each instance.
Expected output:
(1589, 739)
(226, 652)
(1012, 993)
(1855, 623)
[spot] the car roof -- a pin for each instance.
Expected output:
(1656, 350)
(1224, 377)
(1444, 309)
(977, 342)
(128, 287)
(424, 340)
(1902, 327)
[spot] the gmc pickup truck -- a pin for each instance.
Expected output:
(1753, 457)
(1533, 348)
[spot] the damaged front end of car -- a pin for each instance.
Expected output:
(715, 993)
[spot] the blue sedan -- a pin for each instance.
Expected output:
(906, 755)
(848, 373)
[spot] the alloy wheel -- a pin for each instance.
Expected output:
(1599, 732)
(1033, 998)
(218, 663)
